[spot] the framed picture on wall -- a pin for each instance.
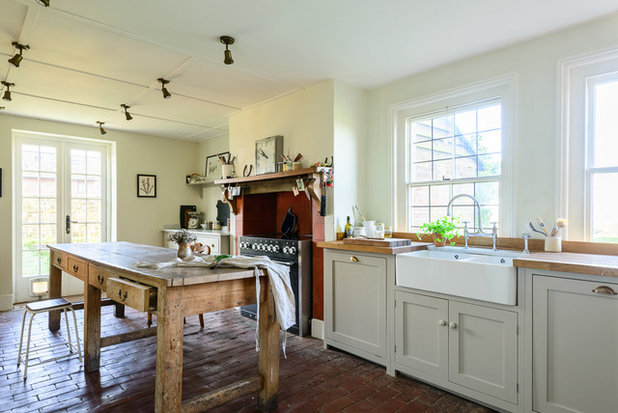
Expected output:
(146, 186)
(213, 166)
(268, 152)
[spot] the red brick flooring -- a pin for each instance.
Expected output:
(312, 379)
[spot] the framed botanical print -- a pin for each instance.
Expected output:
(213, 166)
(146, 186)
(268, 152)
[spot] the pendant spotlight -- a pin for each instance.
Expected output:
(227, 41)
(44, 3)
(7, 92)
(126, 111)
(15, 60)
(166, 93)
(103, 131)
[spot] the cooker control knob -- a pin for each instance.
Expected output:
(292, 250)
(254, 247)
(261, 247)
(269, 248)
(285, 250)
(275, 248)
(242, 245)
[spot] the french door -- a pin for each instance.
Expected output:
(61, 193)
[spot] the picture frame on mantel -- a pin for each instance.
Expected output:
(213, 167)
(268, 152)
(146, 186)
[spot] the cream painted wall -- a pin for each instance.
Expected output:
(535, 63)
(139, 219)
(350, 136)
(209, 195)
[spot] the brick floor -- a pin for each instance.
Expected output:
(312, 379)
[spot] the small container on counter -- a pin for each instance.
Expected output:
(379, 230)
(388, 231)
(553, 244)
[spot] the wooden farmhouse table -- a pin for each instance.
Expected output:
(171, 293)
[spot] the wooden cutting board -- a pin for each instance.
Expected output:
(375, 242)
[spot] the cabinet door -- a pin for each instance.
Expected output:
(421, 333)
(355, 301)
(483, 349)
(211, 241)
(575, 346)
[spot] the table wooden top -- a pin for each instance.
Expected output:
(124, 256)
(606, 265)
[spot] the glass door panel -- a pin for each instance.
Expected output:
(87, 195)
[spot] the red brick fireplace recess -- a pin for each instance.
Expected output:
(262, 205)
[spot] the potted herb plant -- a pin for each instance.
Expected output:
(183, 239)
(443, 230)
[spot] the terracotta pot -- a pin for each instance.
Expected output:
(184, 251)
(436, 242)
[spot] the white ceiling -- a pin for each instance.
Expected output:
(89, 56)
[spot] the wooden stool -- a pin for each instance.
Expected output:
(44, 307)
(149, 323)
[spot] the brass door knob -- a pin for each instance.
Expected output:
(353, 259)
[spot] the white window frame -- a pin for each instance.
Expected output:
(575, 155)
(502, 87)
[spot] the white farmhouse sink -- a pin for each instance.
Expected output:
(489, 278)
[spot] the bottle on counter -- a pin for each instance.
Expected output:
(348, 229)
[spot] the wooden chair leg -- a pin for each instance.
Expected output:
(202, 320)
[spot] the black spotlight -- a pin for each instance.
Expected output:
(7, 92)
(126, 112)
(44, 2)
(166, 93)
(227, 41)
(101, 130)
(16, 60)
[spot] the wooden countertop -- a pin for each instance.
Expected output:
(606, 265)
(339, 245)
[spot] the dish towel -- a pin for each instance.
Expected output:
(278, 275)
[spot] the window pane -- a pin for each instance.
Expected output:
(78, 210)
(48, 159)
(437, 212)
(606, 124)
(48, 184)
(420, 195)
(30, 184)
(443, 127)
(30, 263)
(94, 187)
(440, 195)
(465, 213)
(48, 211)
(459, 189)
(78, 233)
(78, 161)
(78, 186)
(465, 167)
(421, 172)
(94, 210)
(94, 163)
(489, 118)
(94, 233)
(421, 130)
(422, 151)
(489, 214)
(489, 165)
(488, 193)
(442, 169)
(443, 148)
(465, 122)
(490, 142)
(30, 237)
(419, 216)
(30, 158)
(44, 262)
(604, 216)
(30, 210)
(465, 145)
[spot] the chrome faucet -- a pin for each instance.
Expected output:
(480, 232)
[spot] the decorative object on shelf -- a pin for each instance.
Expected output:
(443, 230)
(194, 220)
(146, 186)
(268, 151)
(184, 239)
(214, 165)
(195, 178)
(185, 210)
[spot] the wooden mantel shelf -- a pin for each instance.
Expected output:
(269, 177)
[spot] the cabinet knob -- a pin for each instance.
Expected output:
(353, 259)
(453, 325)
(605, 290)
(442, 323)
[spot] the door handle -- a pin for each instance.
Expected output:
(68, 223)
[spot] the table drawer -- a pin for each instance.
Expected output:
(138, 296)
(58, 259)
(98, 276)
(77, 268)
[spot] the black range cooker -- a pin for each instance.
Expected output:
(294, 252)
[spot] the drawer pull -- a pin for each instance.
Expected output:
(100, 278)
(121, 296)
(442, 323)
(453, 325)
(353, 259)
(605, 290)
(58, 260)
(75, 268)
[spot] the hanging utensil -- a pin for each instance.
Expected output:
(542, 225)
(536, 230)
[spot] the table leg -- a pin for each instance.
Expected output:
(92, 327)
(55, 288)
(268, 357)
(119, 311)
(168, 387)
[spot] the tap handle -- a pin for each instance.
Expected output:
(526, 235)
(494, 228)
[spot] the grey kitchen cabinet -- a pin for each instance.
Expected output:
(448, 341)
(574, 345)
(355, 303)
